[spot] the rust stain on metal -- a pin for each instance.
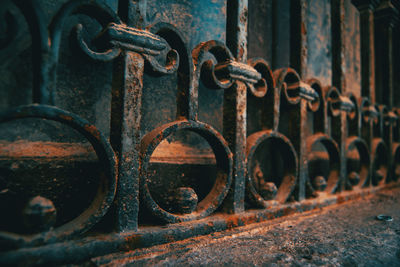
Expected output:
(29, 149)
(67, 118)
(93, 130)
(310, 145)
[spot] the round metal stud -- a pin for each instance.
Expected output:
(39, 214)
(183, 200)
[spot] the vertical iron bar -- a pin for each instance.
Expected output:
(42, 73)
(298, 60)
(234, 114)
(386, 16)
(338, 79)
(338, 66)
(396, 60)
(302, 149)
(366, 8)
(125, 120)
(385, 19)
(298, 36)
(342, 148)
(280, 34)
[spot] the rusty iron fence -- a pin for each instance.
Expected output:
(312, 146)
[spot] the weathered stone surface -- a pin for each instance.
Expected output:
(333, 236)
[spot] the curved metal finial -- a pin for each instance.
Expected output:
(42, 73)
(368, 110)
(100, 12)
(107, 55)
(266, 82)
(211, 63)
(114, 38)
(318, 102)
(338, 102)
(169, 58)
(291, 86)
(10, 30)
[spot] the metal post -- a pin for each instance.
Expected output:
(234, 129)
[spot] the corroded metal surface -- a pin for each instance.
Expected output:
(366, 9)
(274, 141)
(107, 186)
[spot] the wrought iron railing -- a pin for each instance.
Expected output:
(352, 147)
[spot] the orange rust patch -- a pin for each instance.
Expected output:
(241, 52)
(66, 117)
(131, 242)
(270, 216)
(232, 221)
(249, 220)
(303, 28)
(93, 130)
(287, 211)
(340, 199)
(27, 149)
(177, 152)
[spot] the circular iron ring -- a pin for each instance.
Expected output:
(289, 179)
(332, 148)
(363, 152)
(396, 161)
(221, 185)
(379, 161)
(107, 186)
